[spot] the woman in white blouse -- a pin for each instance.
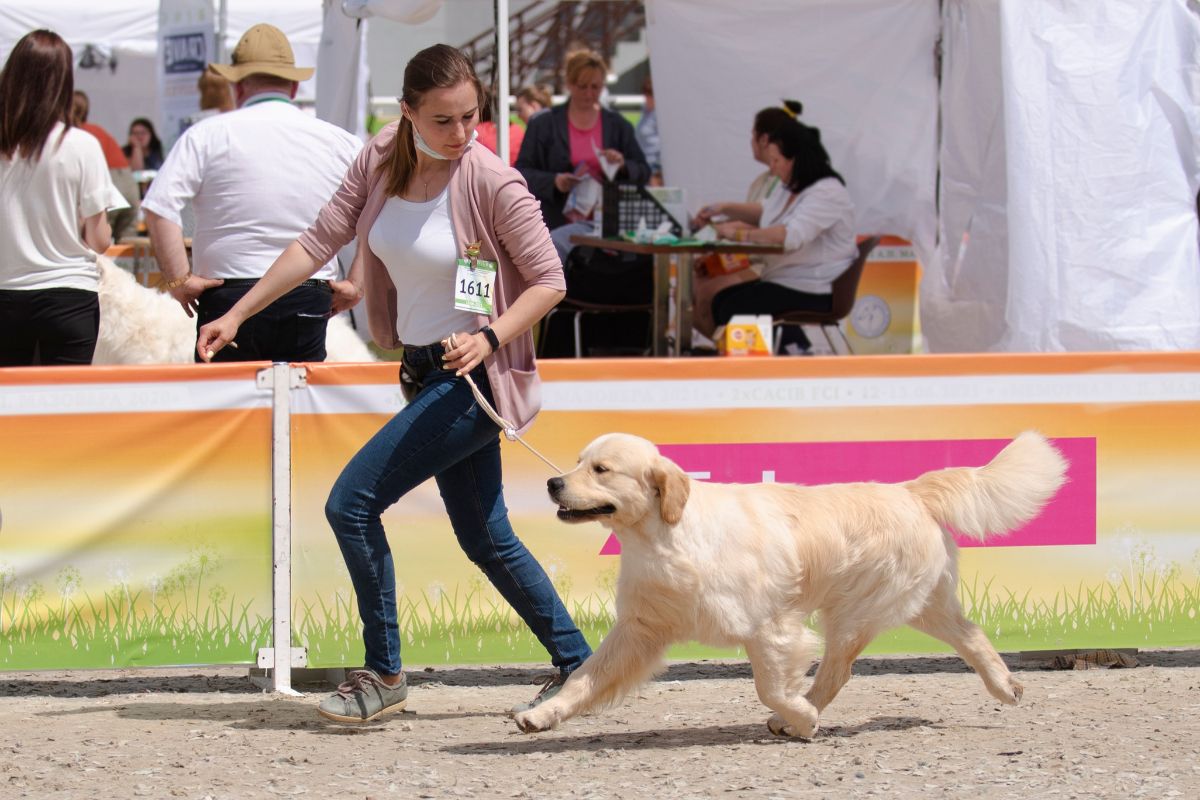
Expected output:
(813, 218)
(54, 192)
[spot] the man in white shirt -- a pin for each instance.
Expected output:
(257, 177)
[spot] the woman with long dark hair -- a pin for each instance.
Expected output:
(810, 214)
(54, 194)
(144, 150)
(458, 266)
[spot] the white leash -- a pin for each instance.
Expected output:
(510, 430)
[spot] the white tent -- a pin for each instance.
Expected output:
(116, 44)
(1055, 209)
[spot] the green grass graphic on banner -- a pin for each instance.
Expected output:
(469, 627)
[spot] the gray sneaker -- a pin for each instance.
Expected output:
(363, 697)
(550, 687)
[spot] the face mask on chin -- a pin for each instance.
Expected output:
(422, 145)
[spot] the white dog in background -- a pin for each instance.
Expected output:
(734, 564)
(139, 325)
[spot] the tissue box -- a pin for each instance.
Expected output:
(746, 335)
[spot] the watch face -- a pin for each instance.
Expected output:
(870, 316)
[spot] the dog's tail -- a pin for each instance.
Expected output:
(1000, 496)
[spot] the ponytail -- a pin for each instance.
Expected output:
(403, 162)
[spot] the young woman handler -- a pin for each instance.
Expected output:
(455, 243)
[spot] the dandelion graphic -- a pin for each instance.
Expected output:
(67, 580)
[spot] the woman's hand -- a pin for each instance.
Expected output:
(465, 351)
(187, 294)
(346, 295)
(614, 157)
(705, 215)
(214, 336)
(734, 231)
(566, 181)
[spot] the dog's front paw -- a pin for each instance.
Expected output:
(780, 727)
(536, 719)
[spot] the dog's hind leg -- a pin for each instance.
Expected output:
(842, 647)
(629, 655)
(780, 655)
(942, 618)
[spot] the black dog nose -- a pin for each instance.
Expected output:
(555, 485)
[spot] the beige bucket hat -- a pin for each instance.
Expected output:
(263, 50)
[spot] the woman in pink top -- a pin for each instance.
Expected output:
(420, 197)
(561, 147)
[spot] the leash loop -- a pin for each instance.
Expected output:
(510, 430)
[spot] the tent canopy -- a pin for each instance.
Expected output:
(119, 72)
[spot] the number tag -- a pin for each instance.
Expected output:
(474, 286)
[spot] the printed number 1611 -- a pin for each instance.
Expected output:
(473, 288)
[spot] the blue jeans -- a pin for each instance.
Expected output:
(444, 434)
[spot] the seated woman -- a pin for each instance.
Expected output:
(145, 150)
(811, 215)
(562, 146)
(706, 286)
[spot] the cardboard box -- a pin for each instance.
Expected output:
(746, 335)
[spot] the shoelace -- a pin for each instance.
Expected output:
(357, 681)
(509, 429)
(549, 683)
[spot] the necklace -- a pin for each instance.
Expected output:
(425, 184)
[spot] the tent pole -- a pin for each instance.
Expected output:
(222, 28)
(502, 87)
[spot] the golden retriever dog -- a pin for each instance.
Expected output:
(748, 565)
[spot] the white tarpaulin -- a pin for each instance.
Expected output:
(864, 70)
(1069, 177)
(1101, 124)
(963, 288)
(342, 70)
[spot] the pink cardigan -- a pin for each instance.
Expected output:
(489, 202)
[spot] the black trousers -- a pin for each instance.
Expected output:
(763, 297)
(48, 326)
(290, 329)
(600, 276)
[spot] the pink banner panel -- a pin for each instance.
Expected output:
(1069, 518)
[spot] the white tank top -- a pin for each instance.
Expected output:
(416, 243)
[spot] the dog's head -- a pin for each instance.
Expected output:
(621, 478)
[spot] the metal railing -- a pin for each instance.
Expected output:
(541, 34)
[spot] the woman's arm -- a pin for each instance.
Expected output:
(533, 161)
(517, 220)
(634, 168)
(293, 267)
(749, 213)
(137, 158)
(532, 304)
(97, 234)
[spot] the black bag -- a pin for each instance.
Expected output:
(604, 277)
(625, 204)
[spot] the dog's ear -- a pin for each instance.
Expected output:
(673, 486)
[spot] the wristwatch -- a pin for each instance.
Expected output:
(177, 282)
(491, 336)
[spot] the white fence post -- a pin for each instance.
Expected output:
(280, 657)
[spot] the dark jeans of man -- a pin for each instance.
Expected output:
(764, 297)
(290, 329)
(48, 326)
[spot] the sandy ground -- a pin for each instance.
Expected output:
(903, 727)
